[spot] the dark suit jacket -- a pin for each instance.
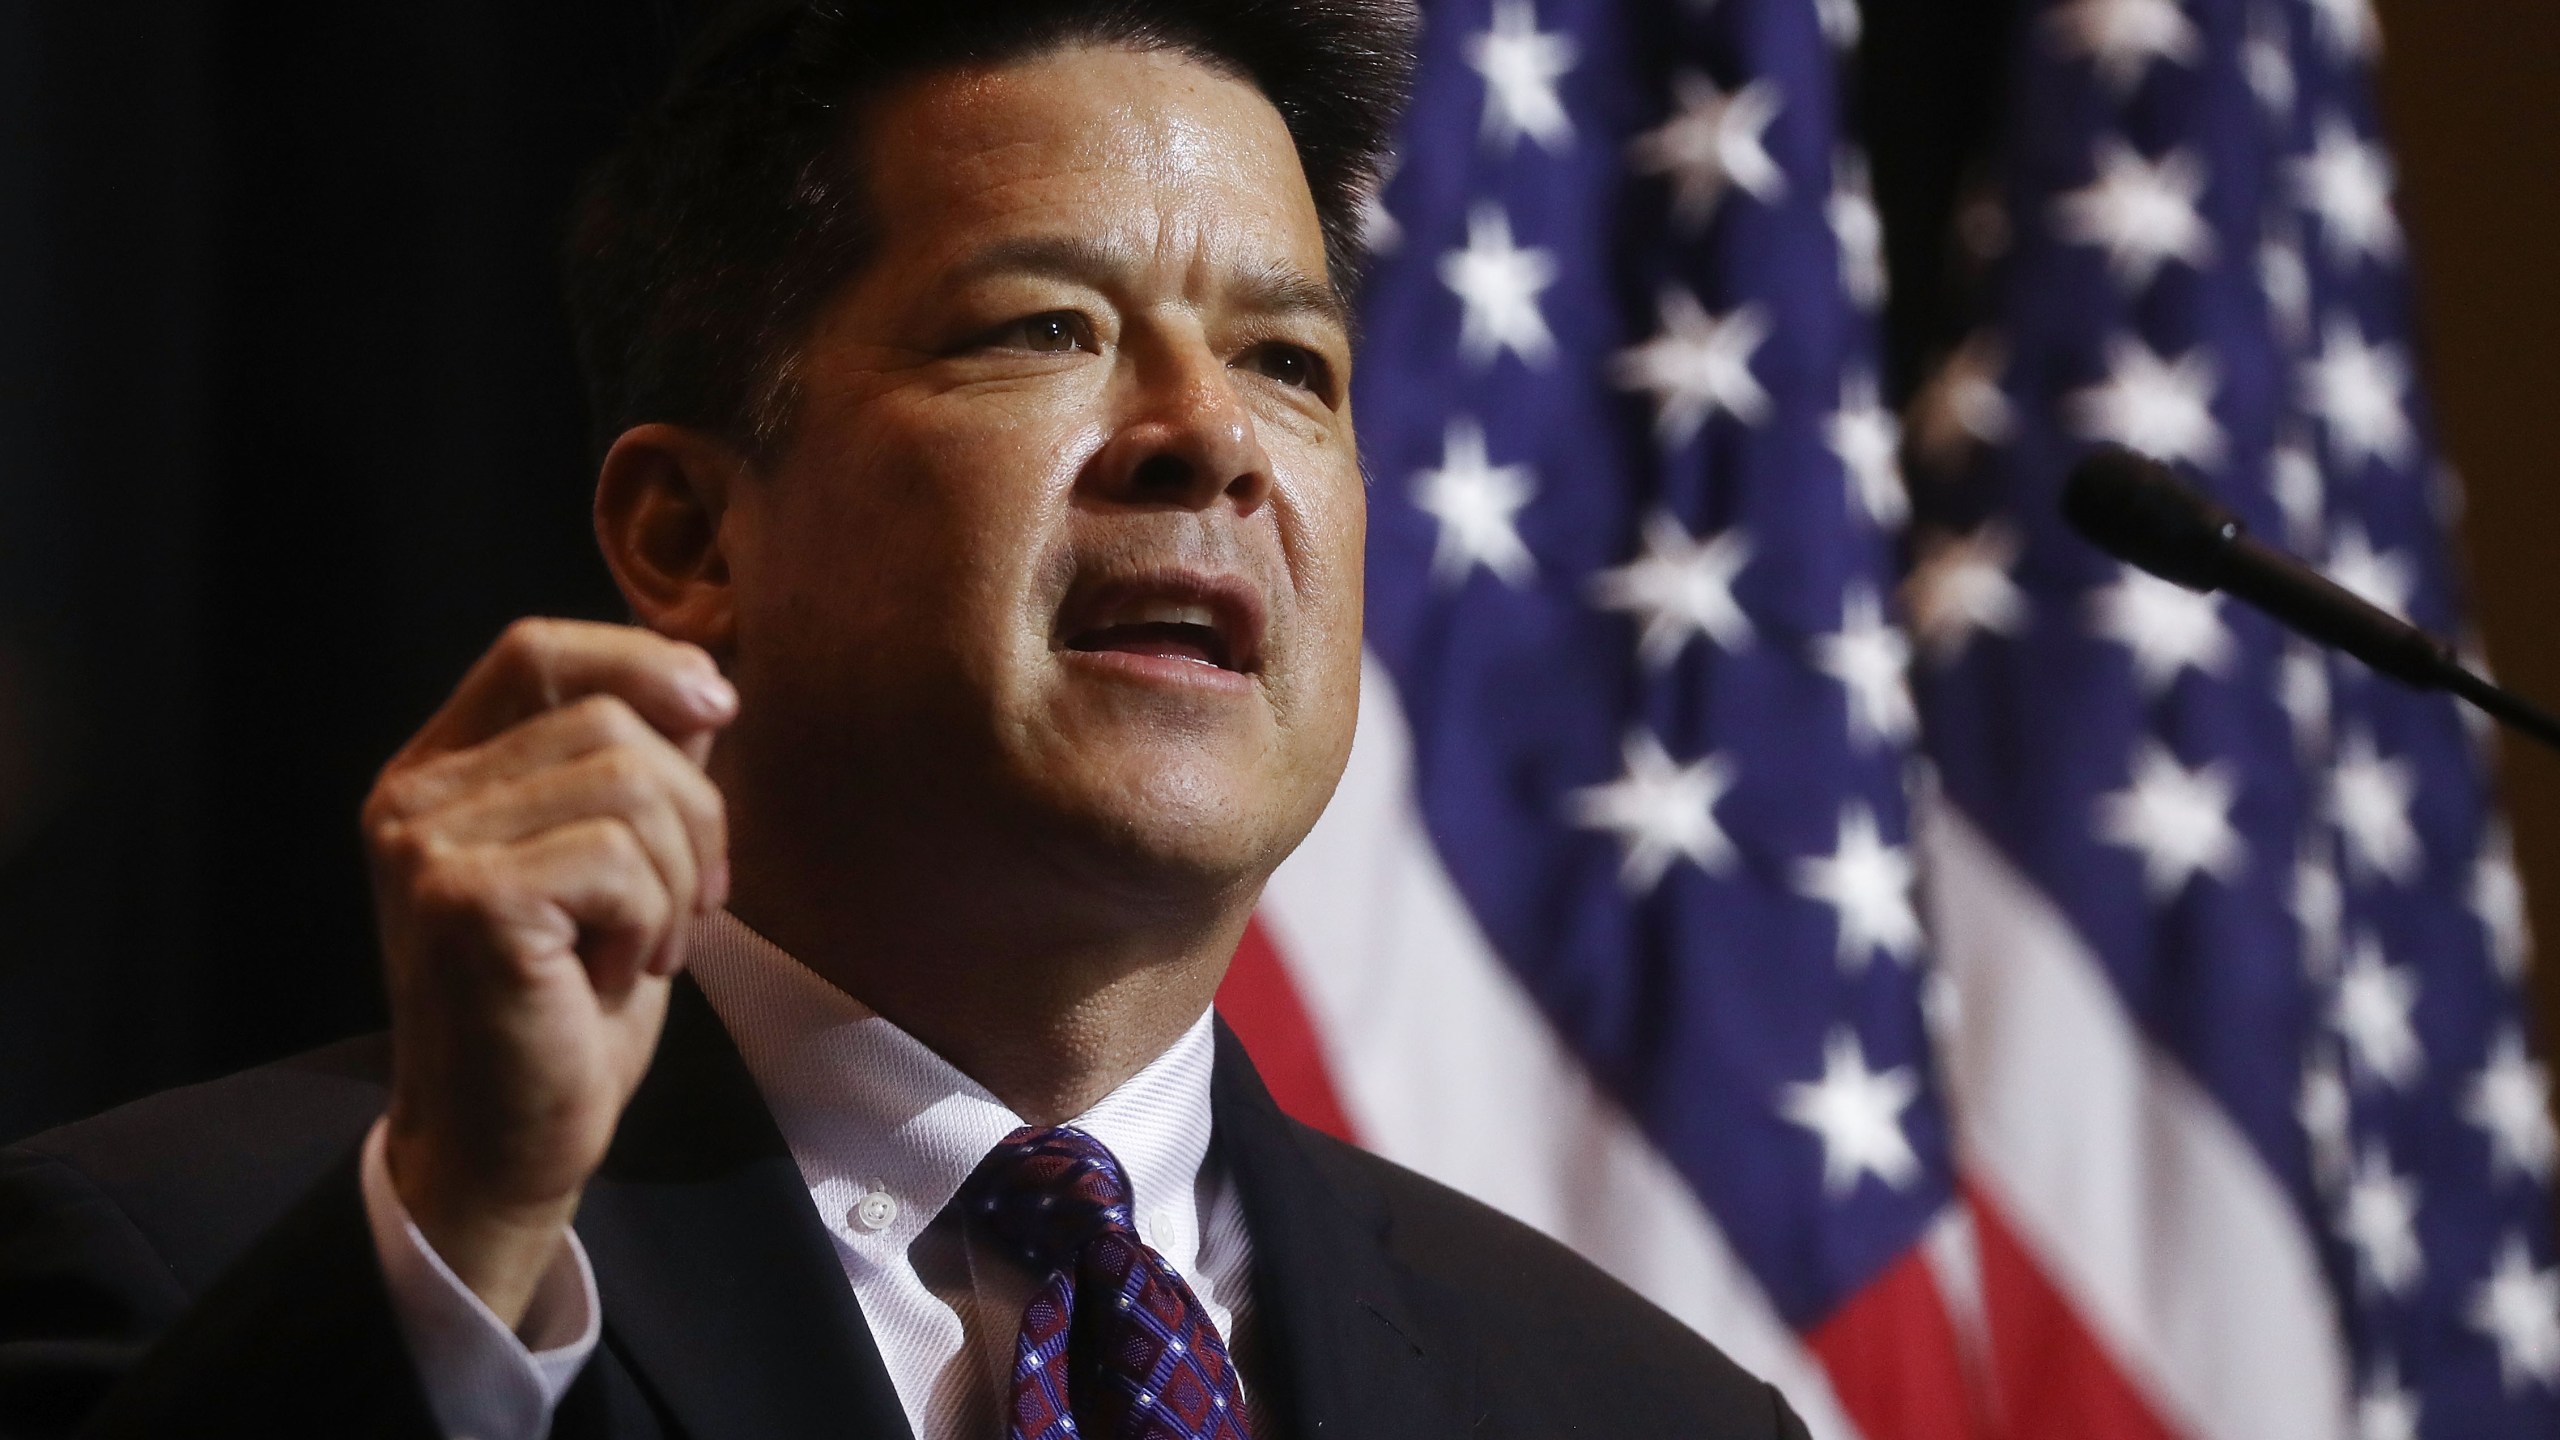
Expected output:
(199, 1264)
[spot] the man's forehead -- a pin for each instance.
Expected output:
(1081, 157)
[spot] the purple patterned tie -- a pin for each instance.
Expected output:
(1115, 1346)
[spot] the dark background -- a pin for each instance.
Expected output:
(289, 428)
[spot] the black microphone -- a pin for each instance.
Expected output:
(2134, 508)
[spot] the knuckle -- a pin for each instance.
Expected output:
(398, 844)
(524, 648)
(607, 718)
(442, 882)
(620, 846)
(634, 855)
(395, 797)
(528, 632)
(647, 901)
(626, 773)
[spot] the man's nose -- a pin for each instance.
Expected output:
(1185, 439)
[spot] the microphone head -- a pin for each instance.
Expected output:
(2134, 508)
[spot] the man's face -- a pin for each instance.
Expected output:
(1063, 558)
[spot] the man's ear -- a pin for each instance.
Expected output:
(660, 498)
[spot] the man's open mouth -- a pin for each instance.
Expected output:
(1204, 620)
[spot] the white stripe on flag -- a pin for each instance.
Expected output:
(2143, 1205)
(1445, 1065)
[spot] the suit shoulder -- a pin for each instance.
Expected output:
(199, 1171)
(1548, 1318)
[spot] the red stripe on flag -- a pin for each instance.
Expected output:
(2052, 1375)
(1892, 1356)
(1261, 1004)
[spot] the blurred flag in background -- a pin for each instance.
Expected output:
(2239, 1051)
(2205, 1108)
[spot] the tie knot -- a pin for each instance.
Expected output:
(1046, 1191)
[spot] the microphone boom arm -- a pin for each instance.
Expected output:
(2134, 508)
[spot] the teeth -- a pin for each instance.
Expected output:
(1164, 612)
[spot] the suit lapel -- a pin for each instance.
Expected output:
(1340, 1336)
(721, 1290)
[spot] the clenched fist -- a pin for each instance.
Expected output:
(539, 852)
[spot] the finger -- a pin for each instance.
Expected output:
(540, 665)
(669, 805)
(600, 874)
(555, 737)
(697, 746)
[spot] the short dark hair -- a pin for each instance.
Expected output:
(703, 246)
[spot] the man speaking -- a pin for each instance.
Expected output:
(801, 998)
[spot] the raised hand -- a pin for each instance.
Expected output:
(539, 851)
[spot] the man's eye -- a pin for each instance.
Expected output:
(1053, 333)
(1292, 366)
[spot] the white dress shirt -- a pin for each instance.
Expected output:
(884, 1131)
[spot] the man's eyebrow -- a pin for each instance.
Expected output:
(1068, 257)
(1272, 287)
(1278, 289)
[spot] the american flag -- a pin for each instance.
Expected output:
(2315, 1200)
(2202, 1106)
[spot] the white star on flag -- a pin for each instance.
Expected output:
(2123, 37)
(1379, 231)
(2287, 283)
(2371, 1010)
(1713, 140)
(2179, 819)
(2496, 898)
(2161, 407)
(2348, 27)
(2347, 183)
(2368, 800)
(2356, 390)
(1679, 587)
(2167, 626)
(2302, 688)
(1858, 1114)
(2379, 1221)
(2300, 493)
(1698, 364)
(1960, 584)
(1868, 441)
(2143, 212)
(1871, 661)
(1867, 883)
(2509, 1100)
(1521, 65)
(1962, 405)
(2326, 1114)
(1857, 227)
(2267, 58)
(1499, 284)
(2385, 1410)
(2383, 579)
(2518, 1307)
(1478, 506)
(2319, 908)
(1840, 21)
(1661, 812)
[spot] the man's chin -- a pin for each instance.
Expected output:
(1173, 833)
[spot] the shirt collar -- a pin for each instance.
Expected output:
(870, 1110)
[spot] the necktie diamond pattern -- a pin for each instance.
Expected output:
(1114, 1346)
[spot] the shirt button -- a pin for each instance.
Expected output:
(875, 1211)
